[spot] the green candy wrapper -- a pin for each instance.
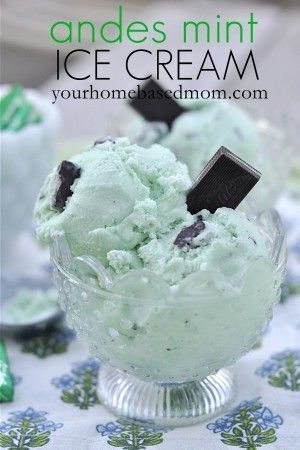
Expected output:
(6, 383)
(16, 111)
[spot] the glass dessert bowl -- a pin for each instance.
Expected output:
(165, 351)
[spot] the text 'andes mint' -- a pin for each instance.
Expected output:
(67, 173)
(224, 182)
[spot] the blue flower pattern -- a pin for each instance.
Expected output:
(222, 424)
(79, 387)
(111, 428)
(5, 427)
(282, 370)
(91, 365)
(266, 419)
(249, 425)
(66, 381)
(130, 435)
(26, 429)
(270, 367)
(29, 414)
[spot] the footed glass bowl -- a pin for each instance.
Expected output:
(163, 350)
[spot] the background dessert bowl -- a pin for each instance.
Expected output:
(278, 137)
(156, 341)
(26, 156)
(263, 139)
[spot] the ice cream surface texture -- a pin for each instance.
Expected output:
(197, 133)
(124, 196)
(127, 208)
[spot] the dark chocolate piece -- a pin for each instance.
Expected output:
(157, 109)
(187, 234)
(225, 181)
(67, 173)
(105, 139)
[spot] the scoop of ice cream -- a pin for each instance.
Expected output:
(126, 205)
(125, 195)
(196, 134)
(222, 242)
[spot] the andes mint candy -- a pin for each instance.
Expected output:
(67, 173)
(187, 234)
(105, 139)
(155, 106)
(225, 181)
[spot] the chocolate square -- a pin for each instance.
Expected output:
(156, 109)
(225, 181)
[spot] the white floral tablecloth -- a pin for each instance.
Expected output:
(56, 405)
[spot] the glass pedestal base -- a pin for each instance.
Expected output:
(164, 404)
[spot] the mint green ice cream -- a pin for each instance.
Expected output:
(30, 305)
(196, 134)
(125, 196)
(227, 242)
(128, 206)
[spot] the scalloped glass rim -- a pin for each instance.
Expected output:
(268, 221)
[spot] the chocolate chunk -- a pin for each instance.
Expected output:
(225, 181)
(67, 173)
(187, 234)
(105, 139)
(156, 107)
(253, 240)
